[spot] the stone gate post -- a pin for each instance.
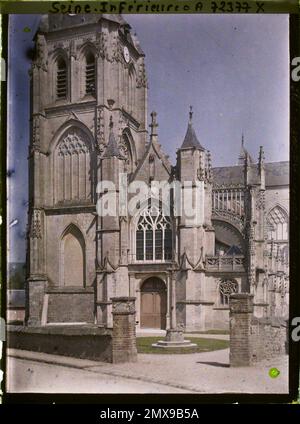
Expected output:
(124, 334)
(241, 310)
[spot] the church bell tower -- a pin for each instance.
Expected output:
(88, 72)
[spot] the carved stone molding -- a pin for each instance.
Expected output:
(41, 59)
(101, 45)
(261, 201)
(231, 217)
(36, 225)
(141, 76)
(228, 287)
(123, 305)
(72, 144)
(100, 129)
(116, 51)
(35, 133)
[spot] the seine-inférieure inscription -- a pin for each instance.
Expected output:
(159, 7)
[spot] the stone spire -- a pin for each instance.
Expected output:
(190, 139)
(112, 149)
(261, 157)
(244, 154)
(153, 124)
(261, 167)
(246, 164)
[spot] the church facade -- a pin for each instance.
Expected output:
(89, 124)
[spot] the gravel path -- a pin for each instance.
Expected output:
(28, 376)
(207, 372)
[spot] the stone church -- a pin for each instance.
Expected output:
(89, 124)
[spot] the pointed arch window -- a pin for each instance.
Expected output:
(90, 74)
(72, 258)
(154, 235)
(61, 79)
(72, 168)
(277, 222)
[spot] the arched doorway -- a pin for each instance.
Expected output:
(153, 303)
(73, 258)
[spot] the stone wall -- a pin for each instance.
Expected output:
(253, 339)
(88, 343)
(70, 306)
(84, 341)
(268, 337)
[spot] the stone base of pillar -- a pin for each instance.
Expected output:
(241, 310)
(124, 334)
(174, 338)
(35, 291)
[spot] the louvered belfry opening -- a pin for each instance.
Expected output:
(90, 74)
(61, 82)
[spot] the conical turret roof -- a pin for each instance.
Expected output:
(190, 139)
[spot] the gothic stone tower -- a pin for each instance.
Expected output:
(89, 93)
(196, 238)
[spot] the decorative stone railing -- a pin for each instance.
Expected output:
(225, 263)
(228, 203)
(229, 199)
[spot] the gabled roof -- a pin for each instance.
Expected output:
(155, 147)
(190, 139)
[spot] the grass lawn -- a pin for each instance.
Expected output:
(144, 345)
(210, 332)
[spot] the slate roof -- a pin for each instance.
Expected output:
(190, 139)
(277, 174)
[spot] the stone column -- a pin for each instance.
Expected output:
(168, 318)
(173, 301)
(124, 335)
(241, 310)
(36, 281)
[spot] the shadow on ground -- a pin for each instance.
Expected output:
(214, 364)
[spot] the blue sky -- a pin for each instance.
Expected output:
(233, 69)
